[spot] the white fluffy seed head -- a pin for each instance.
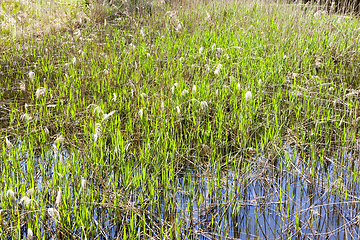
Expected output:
(238, 86)
(59, 139)
(107, 116)
(98, 131)
(9, 145)
(132, 46)
(58, 198)
(204, 105)
(207, 15)
(232, 79)
(201, 50)
(114, 97)
(73, 60)
(83, 183)
(54, 214)
(97, 110)
(141, 113)
(178, 27)
(31, 75)
(260, 82)
(26, 117)
(40, 91)
(10, 194)
(184, 93)
(22, 86)
(193, 90)
(30, 234)
(248, 96)
(217, 69)
(142, 32)
(25, 201)
(207, 68)
(178, 110)
(30, 192)
(173, 88)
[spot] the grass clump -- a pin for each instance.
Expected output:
(180, 123)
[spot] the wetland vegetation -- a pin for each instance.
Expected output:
(178, 120)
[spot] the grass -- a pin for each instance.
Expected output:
(215, 119)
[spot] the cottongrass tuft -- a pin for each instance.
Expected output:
(31, 75)
(141, 113)
(248, 96)
(143, 95)
(83, 183)
(238, 86)
(58, 198)
(193, 90)
(30, 192)
(173, 88)
(207, 16)
(107, 116)
(178, 110)
(114, 98)
(25, 201)
(97, 110)
(232, 79)
(11, 195)
(217, 69)
(142, 32)
(184, 93)
(46, 131)
(260, 82)
(178, 28)
(40, 91)
(26, 117)
(207, 68)
(54, 214)
(82, 186)
(22, 86)
(9, 145)
(97, 133)
(60, 139)
(132, 46)
(201, 50)
(30, 234)
(204, 105)
(213, 47)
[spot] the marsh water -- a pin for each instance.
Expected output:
(285, 201)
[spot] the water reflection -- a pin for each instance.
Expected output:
(294, 198)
